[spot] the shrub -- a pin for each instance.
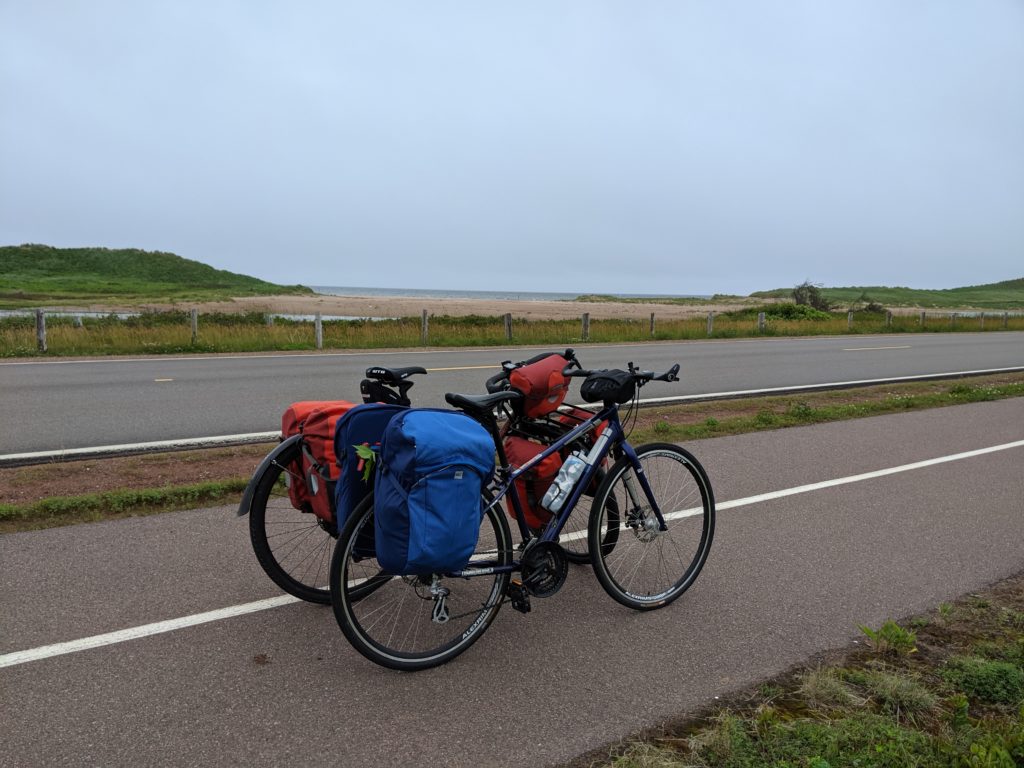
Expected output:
(992, 682)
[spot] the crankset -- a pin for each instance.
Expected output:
(544, 568)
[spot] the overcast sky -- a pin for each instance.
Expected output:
(654, 147)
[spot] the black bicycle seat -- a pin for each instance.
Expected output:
(481, 403)
(392, 375)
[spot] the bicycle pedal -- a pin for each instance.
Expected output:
(519, 596)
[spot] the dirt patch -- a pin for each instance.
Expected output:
(20, 485)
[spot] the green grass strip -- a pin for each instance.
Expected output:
(781, 412)
(64, 510)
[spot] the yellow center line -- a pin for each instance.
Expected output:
(464, 368)
(868, 349)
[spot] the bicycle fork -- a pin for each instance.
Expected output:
(643, 523)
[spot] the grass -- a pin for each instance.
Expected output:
(1008, 294)
(170, 332)
(31, 274)
(949, 706)
(68, 510)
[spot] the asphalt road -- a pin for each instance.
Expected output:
(786, 578)
(54, 405)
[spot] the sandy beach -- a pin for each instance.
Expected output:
(401, 306)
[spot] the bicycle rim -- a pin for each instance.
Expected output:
(391, 619)
(643, 567)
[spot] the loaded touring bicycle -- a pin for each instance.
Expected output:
(426, 559)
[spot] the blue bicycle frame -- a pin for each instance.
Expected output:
(612, 435)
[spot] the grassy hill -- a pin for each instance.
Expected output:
(32, 273)
(1008, 294)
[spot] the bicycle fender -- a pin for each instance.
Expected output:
(250, 489)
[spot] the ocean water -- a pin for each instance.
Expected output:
(429, 293)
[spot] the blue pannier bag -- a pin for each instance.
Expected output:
(433, 465)
(363, 425)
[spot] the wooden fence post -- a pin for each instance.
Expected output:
(318, 329)
(40, 330)
(711, 323)
(849, 320)
(888, 318)
(983, 321)
(586, 326)
(952, 320)
(508, 326)
(424, 329)
(194, 318)
(1006, 320)
(652, 324)
(923, 314)
(760, 322)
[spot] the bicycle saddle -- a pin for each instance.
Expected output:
(392, 375)
(481, 403)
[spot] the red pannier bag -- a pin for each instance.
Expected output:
(311, 479)
(542, 384)
(534, 483)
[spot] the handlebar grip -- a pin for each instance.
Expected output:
(670, 374)
(571, 372)
(498, 382)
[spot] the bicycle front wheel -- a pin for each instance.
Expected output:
(642, 566)
(415, 622)
(293, 547)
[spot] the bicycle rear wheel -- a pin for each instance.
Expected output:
(293, 547)
(643, 567)
(399, 621)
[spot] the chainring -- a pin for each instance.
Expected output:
(544, 568)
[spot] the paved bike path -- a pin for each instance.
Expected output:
(786, 578)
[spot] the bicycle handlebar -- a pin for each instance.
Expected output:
(499, 381)
(640, 376)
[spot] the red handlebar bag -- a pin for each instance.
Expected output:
(542, 384)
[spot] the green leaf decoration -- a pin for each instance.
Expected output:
(369, 458)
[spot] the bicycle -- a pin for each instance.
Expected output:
(649, 532)
(293, 545)
(542, 427)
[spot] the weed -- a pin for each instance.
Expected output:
(958, 709)
(825, 687)
(801, 411)
(945, 610)
(891, 638)
(765, 418)
(711, 422)
(900, 695)
(662, 428)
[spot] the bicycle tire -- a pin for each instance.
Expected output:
(391, 622)
(293, 547)
(626, 569)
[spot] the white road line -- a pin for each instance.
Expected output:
(96, 641)
(871, 349)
